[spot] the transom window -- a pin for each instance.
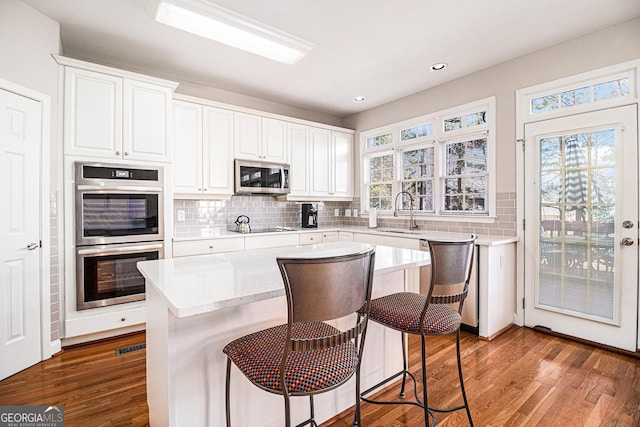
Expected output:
(443, 160)
(581, 95)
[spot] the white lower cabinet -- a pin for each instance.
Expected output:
(310, 238)
(329, 236)
(207, 246)
(345, 236)
(272, 241)
(396, 242)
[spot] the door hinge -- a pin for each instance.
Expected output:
(523, 303)
(523, 223)
(521, 141)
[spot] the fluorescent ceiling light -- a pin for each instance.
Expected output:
(222, 25)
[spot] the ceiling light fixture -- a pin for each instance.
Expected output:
(359, 98)
(208, 20)
(439, 66)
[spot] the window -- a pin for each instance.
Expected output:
(582, 95)
(443, 160)
(465, 180)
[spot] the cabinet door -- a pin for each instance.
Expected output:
(298, 136)
(320, 142)
(342, 171)
(147, 121)
(274, 140)
(217, 151)
(92, 114)
(187, 155)
(329, 236)
(248, 136)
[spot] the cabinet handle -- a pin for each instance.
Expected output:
(126, 153)
(124, 319)
(205, 189)
(210, 246)
(117, 153)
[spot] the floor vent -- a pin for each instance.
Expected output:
(130, 349)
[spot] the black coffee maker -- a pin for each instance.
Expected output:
(309, 215)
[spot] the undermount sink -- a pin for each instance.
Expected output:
(399, 231)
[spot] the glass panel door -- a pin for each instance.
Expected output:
(581, 263)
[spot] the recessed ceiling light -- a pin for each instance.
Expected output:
(439, 66)
(359, 98)
(205, 19)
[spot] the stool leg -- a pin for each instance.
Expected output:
(464, 394)
(424, 382)
(404, 365)
(311, 409)
(226, 393)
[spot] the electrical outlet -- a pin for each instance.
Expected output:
(336, 212)
(347, 212)
(355, 212)
(180, 215)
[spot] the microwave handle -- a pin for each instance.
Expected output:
(92, 251)
(119, 188)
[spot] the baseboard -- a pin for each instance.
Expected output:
(56, 347)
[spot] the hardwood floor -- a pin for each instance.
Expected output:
(522, 378)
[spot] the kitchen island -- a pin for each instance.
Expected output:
(196, 305)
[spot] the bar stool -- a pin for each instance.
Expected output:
(308, 356)
(436, 312)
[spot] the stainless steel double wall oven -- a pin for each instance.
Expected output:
(119, 222)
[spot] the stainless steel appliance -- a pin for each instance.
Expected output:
(261, 178)
(119, 222)
(309, 215)
(108, 275)
(118, 204)
(242, 224)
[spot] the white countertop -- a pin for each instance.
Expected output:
(483, 240)
(199, 284)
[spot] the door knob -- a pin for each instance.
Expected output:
(32, 246)
(627, 241)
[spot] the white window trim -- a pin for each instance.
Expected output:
(437, 119)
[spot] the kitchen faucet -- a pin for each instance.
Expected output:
(412, 222)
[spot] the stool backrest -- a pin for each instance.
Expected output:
(322, 289)
(451, 263)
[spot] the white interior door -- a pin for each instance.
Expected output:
(20, 134)
(581, 235)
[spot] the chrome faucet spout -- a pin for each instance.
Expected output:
(412, 222)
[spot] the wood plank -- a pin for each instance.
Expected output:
(522, 378)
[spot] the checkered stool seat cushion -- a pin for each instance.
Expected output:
(402, 312)
(258, 356)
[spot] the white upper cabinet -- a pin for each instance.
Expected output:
(217, 151)
(187, 155)
(299, 157)
(147, 121)
(92, 113)
(320, 171)
(203, 161)
(342, 173)
(331, 169)
(260, 138)
(116, 117)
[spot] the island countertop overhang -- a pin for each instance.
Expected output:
(204, 283)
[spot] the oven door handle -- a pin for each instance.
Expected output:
(119, 188)
(128, 248)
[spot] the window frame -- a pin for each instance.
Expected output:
(438, 140)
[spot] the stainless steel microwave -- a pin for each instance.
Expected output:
(261, 178)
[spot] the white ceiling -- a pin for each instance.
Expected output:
(380, 49)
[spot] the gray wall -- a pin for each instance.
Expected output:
(27, 40)
(610, 46)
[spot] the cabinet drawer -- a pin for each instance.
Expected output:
(310, 238)
(271, 241)
(208, 246)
